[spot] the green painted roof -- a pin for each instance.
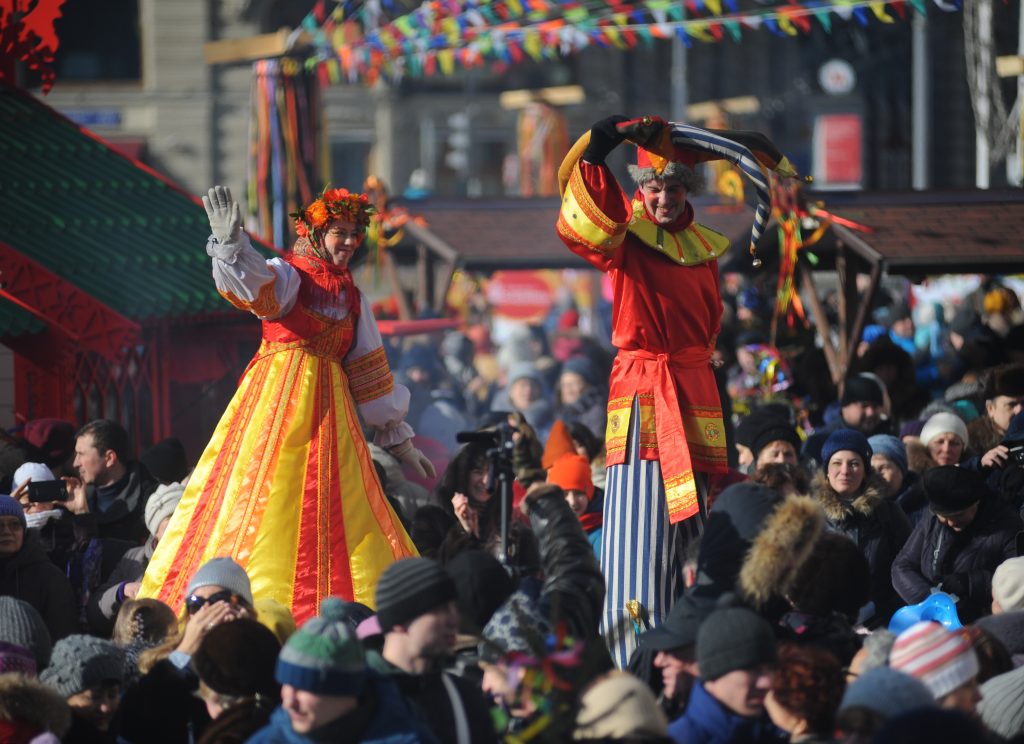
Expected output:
(131, 239)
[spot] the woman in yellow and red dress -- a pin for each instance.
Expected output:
(286, 485)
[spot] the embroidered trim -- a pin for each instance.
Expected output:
(582, 221)
(369, 376)
(264, 306)
(695, 245)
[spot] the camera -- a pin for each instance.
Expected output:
(45, 491)
(1016, 454)
(500, 443)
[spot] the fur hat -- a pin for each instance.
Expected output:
(1008, 584)
(941, 659)
(835, 577)
(618, 706)
(1006, 380)
(944, 423)
(161, 505)
(774, 431)
(33, 705)
(780, 549)
(950, 489)
(238, 659)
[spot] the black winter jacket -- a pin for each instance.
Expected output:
(879, 528)
(935, 551)
(29, 575)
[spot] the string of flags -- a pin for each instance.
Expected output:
(366, 42)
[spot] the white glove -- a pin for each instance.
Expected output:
(409, 455)
(224, 214)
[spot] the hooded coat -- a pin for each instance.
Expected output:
(29, 575)
(29, 708)
(879, 528)
(935, 551)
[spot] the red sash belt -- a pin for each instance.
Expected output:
(673, 451)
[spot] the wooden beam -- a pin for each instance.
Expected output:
(434, 243)
(422, 277)
(821, 321)
(404, 311)
(441, 288)
(250, 48)
(862, 310)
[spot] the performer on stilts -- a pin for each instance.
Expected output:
(286, 485)
(665, 434)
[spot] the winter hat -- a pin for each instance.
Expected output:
(583, 367)
(222, 572)
(731, 639)
(238, 659)
(161, 504)
(747, 428)
(81, 662)
(846, 439)
(409, 588)
(1007, 628)
(734, 521)
(1008, 584)
(482, 584)
(1006, 380)
(34, 470)
(890, 447)
(28, 708)
(22, 625)
(559, 443)
(774, 431)
(17, 659)
(619, 706)
(1000, 707)
(10, 507)
(886, 691)
(324, 656)
(861, 389)
(911, 428)
(950, 489)
(571, 472)
(527, 370)
(516, 626)
(166, 460)
(942, 423)
(942, 660)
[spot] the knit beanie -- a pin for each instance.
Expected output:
(17, 659)
(1008, 584)
(22, 625)
(942, 660)
(886, 691)
(846, 439)
(731, 639)
(583, 367)
(324, 656)
(619, 706)
(238, 659)
(80, 662)
(571, 472)
(409, 588)
(942, 423)
(559, 443)
(10, 507)
(223, 572)
(890, 447)
(35, 471)
(861, 389)
(1002, 704)
(161, 504)
(950, 489)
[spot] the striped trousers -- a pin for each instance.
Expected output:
(642, 554)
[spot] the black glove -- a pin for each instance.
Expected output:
(604, 137)
(957, 584)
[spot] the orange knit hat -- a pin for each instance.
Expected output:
(559, 443)
(571, 472)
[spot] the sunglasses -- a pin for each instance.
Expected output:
(195, 603)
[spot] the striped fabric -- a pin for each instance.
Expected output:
(695, 138)
(941, 659)
(641, 553)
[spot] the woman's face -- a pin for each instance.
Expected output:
(846, 473)
(523, 392)
(571, 387)
(341, 240)
(890, 473)
(478, 484)
(946, 449)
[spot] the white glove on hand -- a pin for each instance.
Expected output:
(409, 455)
(224, 214)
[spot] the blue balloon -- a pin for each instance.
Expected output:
(939, 608)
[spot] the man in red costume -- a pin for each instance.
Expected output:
(665, 433)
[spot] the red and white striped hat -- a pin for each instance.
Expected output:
(942, 660)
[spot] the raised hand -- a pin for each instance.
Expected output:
(224, 214)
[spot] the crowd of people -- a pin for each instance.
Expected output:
(699, 539)
(790, 628)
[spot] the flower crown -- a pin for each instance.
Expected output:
(333, 204)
